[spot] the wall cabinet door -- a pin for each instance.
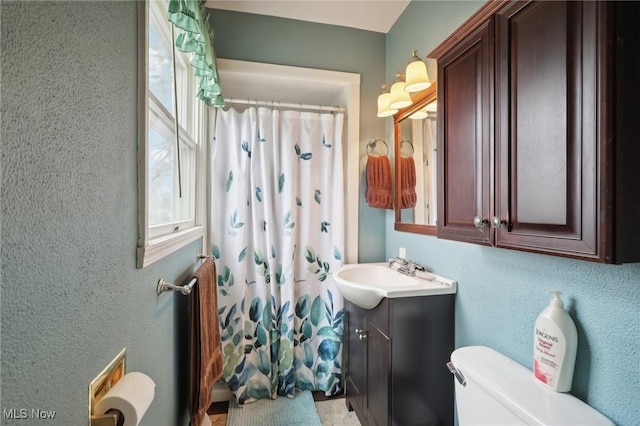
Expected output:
(465, 95)
(547, 127)
(529, 144)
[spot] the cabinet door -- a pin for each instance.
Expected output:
(378, 369)
(356, 353)
(547, 127)
(465, 99)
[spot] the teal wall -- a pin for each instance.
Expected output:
(266, 39)
(72, 297)
(501, 292)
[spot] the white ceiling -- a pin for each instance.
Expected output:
(372, 15)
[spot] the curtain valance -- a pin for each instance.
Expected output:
(196, 38)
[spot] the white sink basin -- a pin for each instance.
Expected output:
(365, 284)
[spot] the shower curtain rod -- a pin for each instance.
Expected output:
(276, 104)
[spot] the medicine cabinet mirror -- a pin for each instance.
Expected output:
(415, 164)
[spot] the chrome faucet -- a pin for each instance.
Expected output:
(407, 267)
(399, 260)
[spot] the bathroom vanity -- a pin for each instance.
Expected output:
(396, 356)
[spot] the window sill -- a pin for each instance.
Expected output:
(160, 247)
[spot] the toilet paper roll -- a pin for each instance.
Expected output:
(131, 395)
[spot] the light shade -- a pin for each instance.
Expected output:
(383, 105)
(419, 114)
(399, 97)
(417, 78)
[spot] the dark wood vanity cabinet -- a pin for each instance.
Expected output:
(396, 357)
(530, 153)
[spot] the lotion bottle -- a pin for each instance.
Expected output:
(555, 342)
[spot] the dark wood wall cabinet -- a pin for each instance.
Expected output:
(396, 361)
(536, 149)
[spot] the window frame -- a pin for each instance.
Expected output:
(150, 246)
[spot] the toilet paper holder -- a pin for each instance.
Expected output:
(99, 386)
(110, 418)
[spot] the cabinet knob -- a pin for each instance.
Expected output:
(362, 336)
(478, 221)
(496, 222)
(357, 330)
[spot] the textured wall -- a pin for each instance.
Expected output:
(71, 295)
(501, 292)
(281, 41)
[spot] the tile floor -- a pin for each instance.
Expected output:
(332, 412)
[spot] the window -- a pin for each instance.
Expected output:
(171, 175)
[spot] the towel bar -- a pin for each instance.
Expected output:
(200, 256)
(184, 289)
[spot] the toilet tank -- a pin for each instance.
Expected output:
(500, 392)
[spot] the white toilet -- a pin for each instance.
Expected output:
(492, 389)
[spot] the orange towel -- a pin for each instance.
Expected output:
(408, 194)
(378, 189)
(205, 353)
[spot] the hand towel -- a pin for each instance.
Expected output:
(205, 351)
(408, 196)
(378, 183)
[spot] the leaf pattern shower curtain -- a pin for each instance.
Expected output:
(277, 234)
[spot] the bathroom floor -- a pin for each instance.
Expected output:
(332, 412)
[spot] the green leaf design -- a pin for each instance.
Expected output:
(308, 357)
(245, 148)
(261, 334)
(328, 349)
(287, 221)
(242, 254)
(257, 257)
(281, 183)
(336, 253)
(255, 311)
(233, 220)
(317, 196)
(329, 332)
(215, 251)
(302, 306)
(324, 142)
(317, 310)
(297, 148)
(258, 194)
(298, 201)
(306, 156)
(264, 365)
(229, 181)
(309, 254)
(257, 390)
(306, 329)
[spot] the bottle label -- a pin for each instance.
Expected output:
(548, 353)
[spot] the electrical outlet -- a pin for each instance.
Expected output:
(402, 253)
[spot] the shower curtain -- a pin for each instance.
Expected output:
(277, 232)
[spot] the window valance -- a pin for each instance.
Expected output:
(196, 38)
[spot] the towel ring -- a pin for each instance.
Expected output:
(372, 144)
(410, 144)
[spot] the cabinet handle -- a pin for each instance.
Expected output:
(357, 330)
(496, 222)
(478, 221)
(362, 336)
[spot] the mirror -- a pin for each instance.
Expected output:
(415, 164)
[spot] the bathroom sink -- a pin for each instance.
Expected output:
(365, 284)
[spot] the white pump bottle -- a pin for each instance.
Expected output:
(555, 342)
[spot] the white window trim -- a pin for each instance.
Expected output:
(151, 250)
